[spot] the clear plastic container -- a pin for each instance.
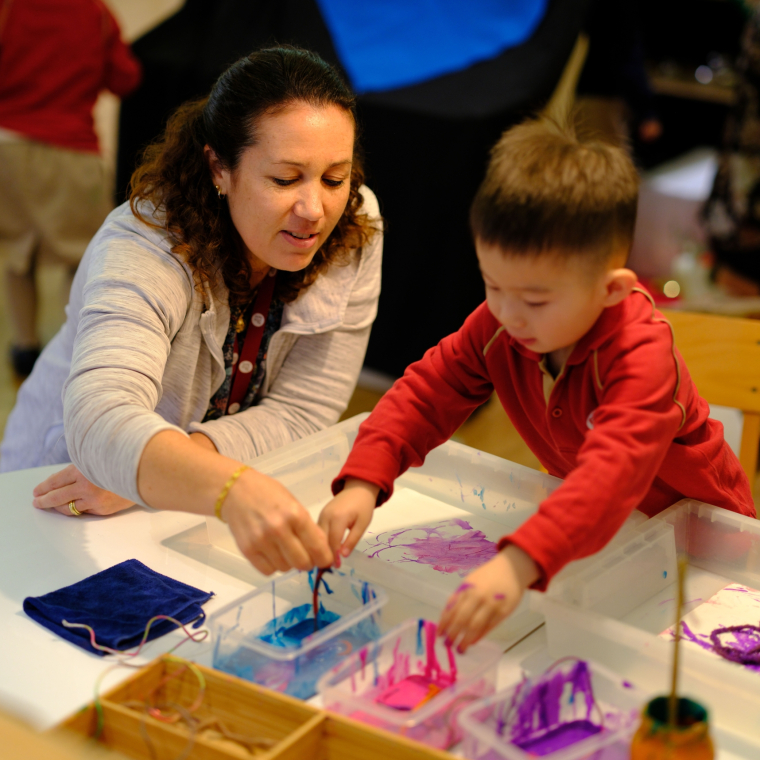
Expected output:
(628, 598)
(488, 724)
(410, 683)
(267, 635)
(482, 485)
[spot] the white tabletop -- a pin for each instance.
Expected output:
(43, 678)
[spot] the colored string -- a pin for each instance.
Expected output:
(197, 637)
(745, 650)
(320, 574)
(173, 713)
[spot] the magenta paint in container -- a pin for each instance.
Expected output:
(568, 710)
(411, 683)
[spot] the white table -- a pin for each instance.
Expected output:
(43, 678)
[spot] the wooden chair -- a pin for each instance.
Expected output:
(723, 357)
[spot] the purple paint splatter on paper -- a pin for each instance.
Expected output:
(450, 546)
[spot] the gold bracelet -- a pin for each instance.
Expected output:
(223, 495)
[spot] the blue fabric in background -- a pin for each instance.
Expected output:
(117, 604)
(395, 43)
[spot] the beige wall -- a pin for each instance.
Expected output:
(135, 18)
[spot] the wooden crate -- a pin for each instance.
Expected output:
(296, 729)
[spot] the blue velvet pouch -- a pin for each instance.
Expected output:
(117, 604)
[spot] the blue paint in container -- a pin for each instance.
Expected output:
(273, 643)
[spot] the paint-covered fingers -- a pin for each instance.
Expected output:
(487, 596)
(486, 616)
(459, 609)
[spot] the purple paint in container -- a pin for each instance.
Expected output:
(573, 708)
(540, 723)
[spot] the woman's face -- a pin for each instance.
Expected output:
(291, 188)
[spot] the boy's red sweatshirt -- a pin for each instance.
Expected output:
(623, 425)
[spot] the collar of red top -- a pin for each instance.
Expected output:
(635, 307)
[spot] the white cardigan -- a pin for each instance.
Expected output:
(138, 354)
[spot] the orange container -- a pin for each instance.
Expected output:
(656, 739)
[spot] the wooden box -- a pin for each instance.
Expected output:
(293, 729)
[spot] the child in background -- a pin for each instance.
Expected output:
(56, 57)
(583, 363)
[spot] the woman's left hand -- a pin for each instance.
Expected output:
(68, 485)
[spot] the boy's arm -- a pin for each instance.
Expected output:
(424, 408)
(634, 425)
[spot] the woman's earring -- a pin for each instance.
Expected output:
(219, 191)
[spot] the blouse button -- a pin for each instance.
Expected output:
(235, 357)
(556, 412)
(233, 408)
(257, 319)
(245, 367)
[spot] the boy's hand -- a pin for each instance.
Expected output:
(487, 596)
(350, 510)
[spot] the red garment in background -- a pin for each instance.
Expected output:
(624, 426)
(56, 56)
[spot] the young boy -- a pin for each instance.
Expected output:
(584, 365)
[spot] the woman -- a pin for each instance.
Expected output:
(223, 312)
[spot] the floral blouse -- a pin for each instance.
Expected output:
(241, 315)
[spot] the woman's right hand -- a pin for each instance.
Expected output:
(271, 528)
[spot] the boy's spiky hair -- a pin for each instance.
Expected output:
(546, 190)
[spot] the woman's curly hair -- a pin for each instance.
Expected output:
(175, 177)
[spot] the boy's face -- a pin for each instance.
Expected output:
(546, 302)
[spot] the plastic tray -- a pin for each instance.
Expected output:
(411, 649)
(618, 701)
(490, 489)
(248, 633)
(628, 598)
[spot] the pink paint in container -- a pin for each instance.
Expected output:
(571, 709)
(409, 682)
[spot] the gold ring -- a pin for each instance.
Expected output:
(74, 511)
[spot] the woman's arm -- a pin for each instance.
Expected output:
(270, 526)
(69, 485)
(135, 300)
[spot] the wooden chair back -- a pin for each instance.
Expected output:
(723, 357)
